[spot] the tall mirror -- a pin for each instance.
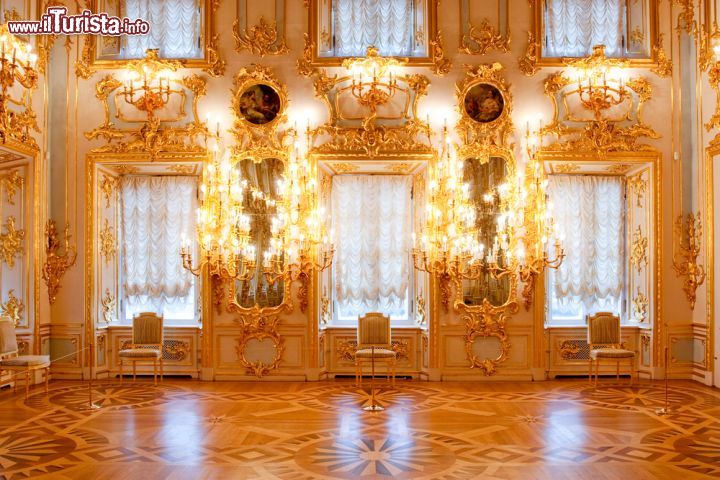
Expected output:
(259, 204)
(484, 177)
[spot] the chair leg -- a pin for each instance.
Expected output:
(357, 374)
(47, 380)
(597, 369)
(394, 365)
(161, 369)
(15, 382)
(121, 371)
(134, 370)
(27, 384)
(154, 371)
(617, 374)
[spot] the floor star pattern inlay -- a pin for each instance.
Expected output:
(300, 431)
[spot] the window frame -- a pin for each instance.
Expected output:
(90, 62)
(654, 42)
(318, 17)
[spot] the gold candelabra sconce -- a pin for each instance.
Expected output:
(686, 265)
(147, 92)
(372, 83)
(59, 257)
(17, 67)
(600, 82)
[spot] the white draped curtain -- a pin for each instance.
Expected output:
(174, 28)
(589, 214)
(372, 222)
(156, 213)
(386, 24)
(573, 27)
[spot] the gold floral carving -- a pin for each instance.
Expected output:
(664, 63)
(637, 36)
(11, 15)
(344, 167)
(325, 308)
(640, 306)
(714, 81)
(690, 244)
(12, 182)
(528, 63)
(618, 168)
(569, 349)
(484, 38)
(686, 17)
(108, 243)
(59, 257)
(108, 185)
(182, 168)
(638, 250)
(176, 350)
(109, 307)
(638, 185)
(219, 291)
(440, 64)
(13, 308)
(155, 135)
(566, 168)
(126, 169)
(261, 39)
(11, 242)
(420, 310)
(260, 328)
(487, 321)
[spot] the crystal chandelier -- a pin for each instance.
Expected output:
(17, 65)
(448, 244)
(538, 225)
(299, 243)
(223, 230)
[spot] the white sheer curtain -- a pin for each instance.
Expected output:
(386, 24)
(589, 213)
(156, 213)
(174, 28)
(372, 221)
(573, 27)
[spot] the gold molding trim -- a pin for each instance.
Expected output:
(11, 242)
(13, 308)
(260, 328)
(440, 65)
(664, 65)
(261, 39)
(713, 76)
(528, 63)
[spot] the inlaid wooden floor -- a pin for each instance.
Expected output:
(189, 429)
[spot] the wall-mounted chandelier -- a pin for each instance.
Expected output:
(448, 244)
(299, 244)
(17, 67)
(223, 230)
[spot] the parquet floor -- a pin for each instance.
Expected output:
(188, 429)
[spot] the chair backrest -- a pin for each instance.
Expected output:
(603, 329)
(147, 329)
(373, 329)
(8, 340)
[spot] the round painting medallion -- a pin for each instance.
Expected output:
(259, 104)
(484, 103)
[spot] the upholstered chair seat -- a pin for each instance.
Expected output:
(374, 343)
(147, 342)
(19, 364)
(605, 344)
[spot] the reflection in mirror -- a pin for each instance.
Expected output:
(259, 204)
(484, 180)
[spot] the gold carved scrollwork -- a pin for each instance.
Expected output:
(565, 168)
(156, 134)
(109, 307)
(440, 64)
(686, 18)
(420, 310)
(569, 349)
(325, 313)
(638, 251)
(714, 81)
(304, 63)
(260, 328)
(261, 39)
(664, 63)
(640, 306)
(13, 308)
(638, 185)
(59, 257)
(484, 38)
(11, 182)
(11, 242)
(108, 185)
(108, 242)
(528, 62)
(346, 349)
(690, 244)
(486, 321)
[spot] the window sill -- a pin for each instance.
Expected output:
(129, 326)
(354, 327)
